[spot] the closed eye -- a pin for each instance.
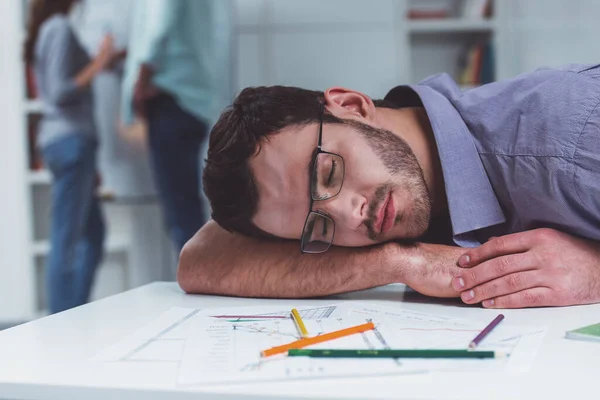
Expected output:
(332, 172)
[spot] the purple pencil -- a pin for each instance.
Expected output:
(485, 331)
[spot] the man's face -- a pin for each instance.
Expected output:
(383, 197)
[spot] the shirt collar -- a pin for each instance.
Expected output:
(471, 200)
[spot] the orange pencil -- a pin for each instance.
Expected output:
(298, 344)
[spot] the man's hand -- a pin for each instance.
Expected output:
(541, 267)
(106, 52)
(143, 90)
(116, 57)
(431, 269)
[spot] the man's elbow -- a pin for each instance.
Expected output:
(190, 270)
(63, 96)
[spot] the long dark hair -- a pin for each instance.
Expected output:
(40, 11)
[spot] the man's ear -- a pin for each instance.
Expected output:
(349, 104)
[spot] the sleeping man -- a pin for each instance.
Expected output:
(491, 194)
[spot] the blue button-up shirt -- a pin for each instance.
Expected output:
(187, 42)
(518, 154)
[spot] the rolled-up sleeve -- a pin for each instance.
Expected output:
(61, 88)
(160, 18)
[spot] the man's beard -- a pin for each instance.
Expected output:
(407, 176)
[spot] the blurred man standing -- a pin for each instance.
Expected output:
(172, 79)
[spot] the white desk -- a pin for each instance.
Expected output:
(48, 358)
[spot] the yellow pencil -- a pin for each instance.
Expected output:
(299, 323)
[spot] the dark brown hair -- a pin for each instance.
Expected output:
(256, 113)
(40, 11)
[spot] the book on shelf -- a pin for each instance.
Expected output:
(476, 65)
(35, 156)
(428, 10)
(427, 14)
(468, 9)
(31, 85)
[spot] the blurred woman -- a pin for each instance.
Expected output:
(67, 139)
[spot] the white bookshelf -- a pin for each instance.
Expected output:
(33, 106)
(366, 46)
(40, 177)
(40, 182)
(433, 46)
(16, 284)
(114, 244)
(453, 25)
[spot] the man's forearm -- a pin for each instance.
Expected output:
(219, 262)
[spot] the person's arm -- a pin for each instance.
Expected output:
(215, 261)
(105, 57)
(62, 87)
(160, 17)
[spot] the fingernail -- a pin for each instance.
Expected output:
(458, 283)
(468, 295)
(464, 260)
(488, 303)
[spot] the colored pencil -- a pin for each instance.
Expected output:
(318, 339)
(475, 342)
(299, 323)
(395, 353)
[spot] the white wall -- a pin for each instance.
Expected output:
(317, 44)
(552, 32)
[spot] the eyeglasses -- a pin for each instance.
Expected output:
(325, 181)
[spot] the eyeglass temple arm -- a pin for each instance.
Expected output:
(322, 112)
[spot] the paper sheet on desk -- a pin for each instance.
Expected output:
(162, 339)
(159, 341)
(165, 338)
(219, 351)
(418, 330)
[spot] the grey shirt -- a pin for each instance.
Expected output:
(517, 154)
(58, 59)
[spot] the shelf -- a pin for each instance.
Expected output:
(44, 177)
(450, 25)
(41, 177)
(34, 106)
(39, 314)
(113, 245)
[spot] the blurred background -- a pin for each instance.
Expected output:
(369, 46)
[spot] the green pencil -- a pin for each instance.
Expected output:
(395, 353)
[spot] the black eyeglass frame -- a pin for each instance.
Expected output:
(319, 151)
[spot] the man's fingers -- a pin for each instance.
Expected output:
(139, 110)
(503, 245)
(151, 91)
(508, 284)
(493, 269)
(534, 297)
(139, 104)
